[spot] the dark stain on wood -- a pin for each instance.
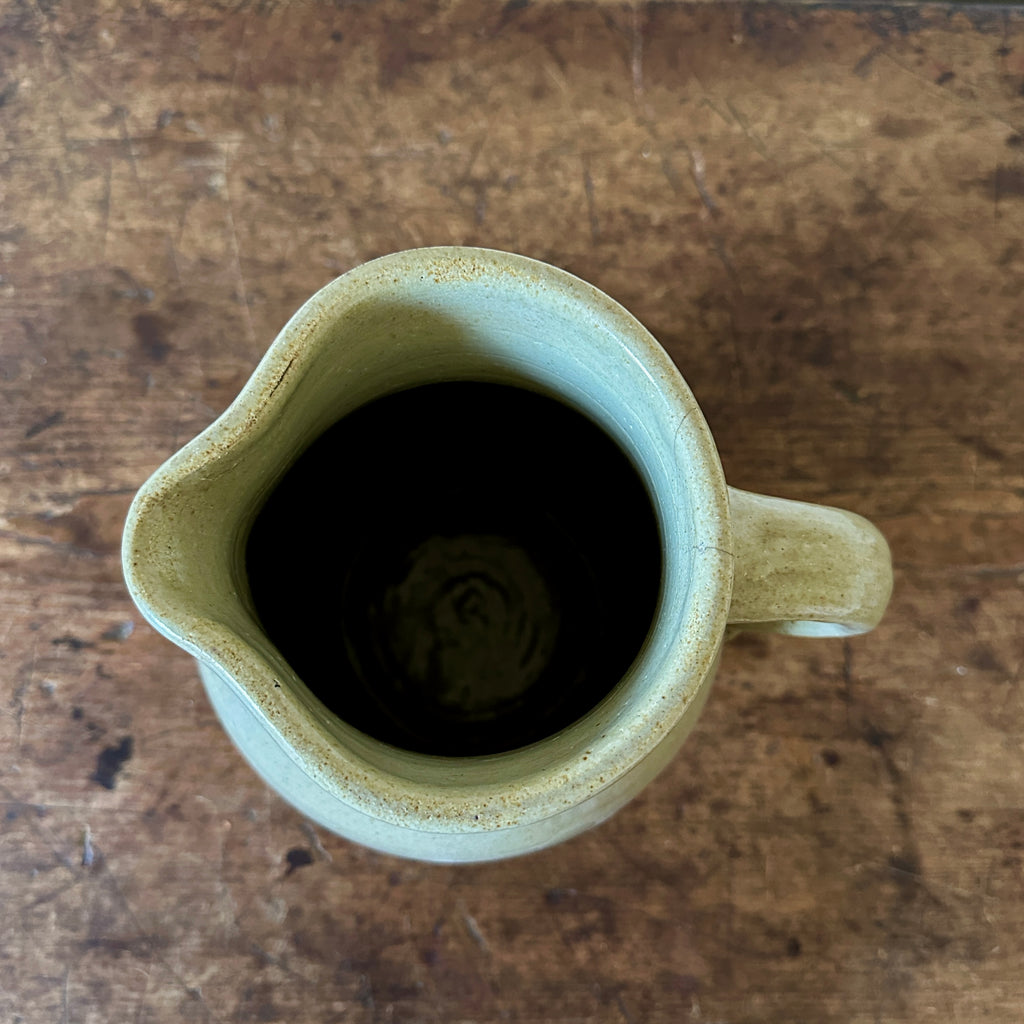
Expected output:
(1005, 182)
(982, 657)
(151, 334)
(74, 643)
(982, 446)
(297, 857)
(111, 760)
(398, 56)
(895, 126)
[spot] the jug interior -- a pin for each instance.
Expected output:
(459, 568)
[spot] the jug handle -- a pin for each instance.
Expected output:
(805, 570)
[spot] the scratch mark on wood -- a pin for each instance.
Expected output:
(626, 1015)
(709, 101)
(38, 824)
(172, 251)
(119, 630)
(239, 51)
(70, 497)
(105, 210)
(146, 940)
(700, 180)
(474, 931)
(54, 894)
(365, 993)
(275, 961)
(588, 188)
(314, 841)
(55, 43)
(143, 995)
(637, 55)
(863, 66)
(718, 245)
(474, 153)
(671, 175)
(133, 289)
(129, 146)
(935, 88)
(88, 853)
(44, 424)
(243, 291)
(18, 698)
(744, 124)
(9, 92)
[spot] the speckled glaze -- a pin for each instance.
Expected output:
(731, 559)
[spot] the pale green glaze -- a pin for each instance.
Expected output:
(456, 313)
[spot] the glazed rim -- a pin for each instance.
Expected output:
(197, 597)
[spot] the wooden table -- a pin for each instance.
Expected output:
(819, 213)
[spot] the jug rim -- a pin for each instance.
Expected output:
(425, 792)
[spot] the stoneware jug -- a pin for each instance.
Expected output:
(726, 559)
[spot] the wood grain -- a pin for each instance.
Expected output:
(818, 212)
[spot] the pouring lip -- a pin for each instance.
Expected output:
(425, 792)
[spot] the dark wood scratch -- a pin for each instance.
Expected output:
(44, 424)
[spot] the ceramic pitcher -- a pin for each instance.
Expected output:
(729, 559)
